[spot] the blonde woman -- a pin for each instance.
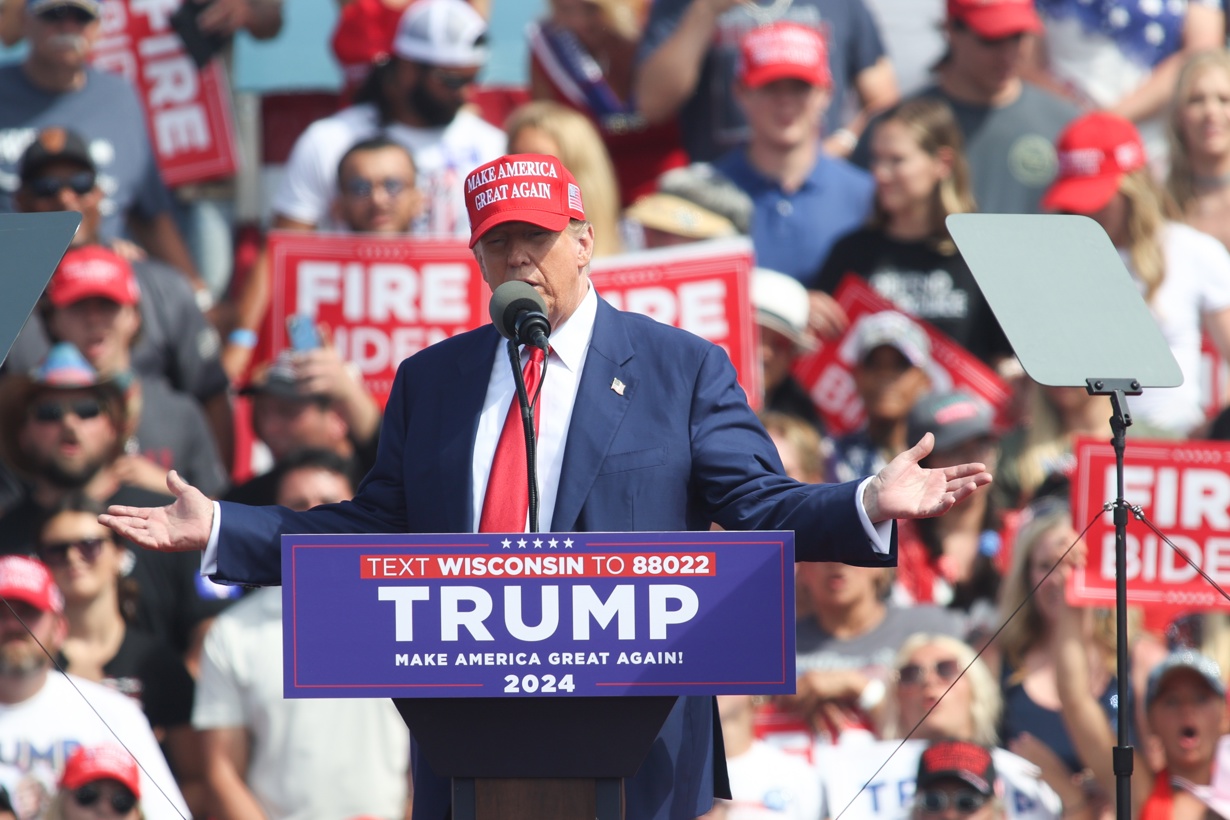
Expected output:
(1183, 274)
(924, 707)
(1199, 132)
(554, 129)
(905, 252)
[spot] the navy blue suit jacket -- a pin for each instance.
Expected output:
(680, 448)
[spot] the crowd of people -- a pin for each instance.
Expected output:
(835, 136)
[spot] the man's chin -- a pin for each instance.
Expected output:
(21, 661)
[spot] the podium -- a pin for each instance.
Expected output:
(536, 670)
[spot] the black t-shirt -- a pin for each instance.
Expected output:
(921, 281)
(172, 597)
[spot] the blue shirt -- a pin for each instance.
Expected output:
(794, 232)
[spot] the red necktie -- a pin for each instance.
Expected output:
(507, 501)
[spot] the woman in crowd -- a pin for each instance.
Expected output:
(906, 253)
(930, 702)
(1199, 135)
(98, 781)
(582, 55)
(1122, 57)
(1184, 275)
(88, 565)
(554, 129)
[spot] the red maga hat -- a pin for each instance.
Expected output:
(533, 188)
(1095, 153)
(92, 270)
(784, 51)
(996, 19)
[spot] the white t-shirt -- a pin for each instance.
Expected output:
(883, 776)
(443, 157)
(768, 783)
(1197, 282)
(38, 734)
(342, 757)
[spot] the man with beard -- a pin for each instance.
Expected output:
(62, 429)
(45, 715)
(414, 98)
(54, 86)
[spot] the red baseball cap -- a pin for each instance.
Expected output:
(24, 579)
(108, 761)
(92, 270)
(533, 188)
(1095, 152)
(784, 51)
(996, 19)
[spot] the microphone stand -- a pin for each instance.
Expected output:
(527, 421)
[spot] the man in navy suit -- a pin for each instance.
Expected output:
(643, 427)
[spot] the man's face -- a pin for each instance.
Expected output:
(20, 653)
(61, 37)
(555, 263)
(888, 383)
(434, 93)
(310, 487)
(65, 186)
(1188, 717)
(102, 329)
(376, 192)
(952, 799)
(67, 436)
(784, 113)
(289, 424)
(986, 67)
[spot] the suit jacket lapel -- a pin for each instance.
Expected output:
(466, 387)
(596, 415)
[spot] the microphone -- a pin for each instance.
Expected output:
(520, 314)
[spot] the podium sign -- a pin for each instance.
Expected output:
(538, 615)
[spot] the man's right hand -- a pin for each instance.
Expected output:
(180, 526)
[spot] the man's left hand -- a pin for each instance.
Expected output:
(903, 489)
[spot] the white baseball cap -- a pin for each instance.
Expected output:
(442, 33)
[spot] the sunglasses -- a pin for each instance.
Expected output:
(122, 800)
(74, 13)
(915, 673)
(56, 554)
(361, 188)
(965, 801)
(81, 183)
(452, 80)
(55, 411)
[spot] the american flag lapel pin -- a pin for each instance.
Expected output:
(617, 386)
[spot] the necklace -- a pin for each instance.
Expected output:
(763, 15)
(1215, 182)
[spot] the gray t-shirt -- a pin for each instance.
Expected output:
(873, 650)
(711, 120)
(106, 113)
(1010, 149)
(172, 432)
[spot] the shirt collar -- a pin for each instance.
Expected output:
(569, 340)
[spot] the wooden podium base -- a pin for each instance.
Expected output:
(576, 798)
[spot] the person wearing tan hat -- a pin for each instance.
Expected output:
(55, 713)
(1008, 124)
(1184, 275)
(615, 452)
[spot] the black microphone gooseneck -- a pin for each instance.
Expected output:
(520, 314)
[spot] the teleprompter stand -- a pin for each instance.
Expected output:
(1075, 319)
(31, 246)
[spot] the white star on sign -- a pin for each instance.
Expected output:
(553, 543)
(521, 543)
(568, 543)
(537, 543)
(506, 543)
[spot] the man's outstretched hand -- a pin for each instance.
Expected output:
(178, 527)
(902, 489)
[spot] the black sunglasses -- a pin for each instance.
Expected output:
(81, 184)
(74, 13)
(55, 411)
(452, 80)
(965, 801)
(122, 800)
(912, 673)
(55, 554)
(361, 188)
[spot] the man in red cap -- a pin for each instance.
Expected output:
(642, 427)
(1009, 126)
(803, 200)
(57, 714)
